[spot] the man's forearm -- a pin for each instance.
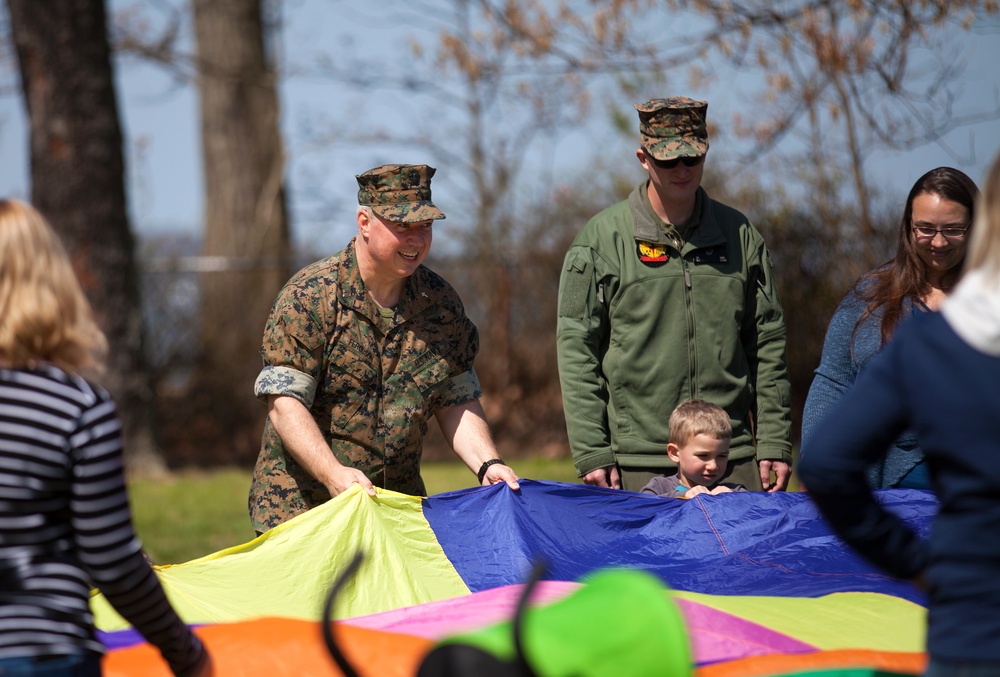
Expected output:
(466, 430)
(302, 438)
(464, 426)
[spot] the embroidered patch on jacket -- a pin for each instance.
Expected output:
(652, 254)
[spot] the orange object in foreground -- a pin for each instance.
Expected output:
(280, 647)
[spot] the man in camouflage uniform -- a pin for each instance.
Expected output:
(360, 350)
(664, 297)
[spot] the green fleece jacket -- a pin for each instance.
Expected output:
(647, 320)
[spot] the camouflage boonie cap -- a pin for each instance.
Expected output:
(399, 193)
(672, 128)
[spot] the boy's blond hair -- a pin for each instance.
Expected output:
(698, 417)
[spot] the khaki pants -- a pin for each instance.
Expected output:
(744, 471)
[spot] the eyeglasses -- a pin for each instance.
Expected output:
(670, 164)
(949, 231)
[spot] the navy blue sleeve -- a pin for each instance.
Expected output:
(859, 430)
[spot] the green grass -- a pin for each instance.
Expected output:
(191, 513)
(195, 513)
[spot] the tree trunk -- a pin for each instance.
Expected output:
(78, 183)
(246, 231)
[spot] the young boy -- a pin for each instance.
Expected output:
(699, 444)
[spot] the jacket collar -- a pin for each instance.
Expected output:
(703, 230)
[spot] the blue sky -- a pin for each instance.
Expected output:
(161, 127)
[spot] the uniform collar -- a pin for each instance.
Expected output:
(412, 300)
(701, 229)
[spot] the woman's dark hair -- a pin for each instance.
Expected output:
(905, 276)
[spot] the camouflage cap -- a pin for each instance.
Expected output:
(672, 128)
(399, 193)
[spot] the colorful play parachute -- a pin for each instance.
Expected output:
(763, 586)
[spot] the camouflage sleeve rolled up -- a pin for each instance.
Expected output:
(285, 381)
(460, 389)
(295, 336)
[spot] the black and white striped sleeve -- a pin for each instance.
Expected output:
(107, 544)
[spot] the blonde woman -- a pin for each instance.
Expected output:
(65, 523)
(940, 377)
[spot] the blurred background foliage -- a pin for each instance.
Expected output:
(525, 108)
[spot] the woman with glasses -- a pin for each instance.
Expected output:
(933, 233)
(940, 376)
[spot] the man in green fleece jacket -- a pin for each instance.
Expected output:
(664, 297)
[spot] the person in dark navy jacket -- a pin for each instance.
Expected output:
(939, 376)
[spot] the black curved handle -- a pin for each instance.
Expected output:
(331, 643)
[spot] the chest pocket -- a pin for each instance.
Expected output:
(350, 382)
(427, 372)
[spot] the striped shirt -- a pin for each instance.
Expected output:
(65, 525)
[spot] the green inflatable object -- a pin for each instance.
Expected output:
(619, 622)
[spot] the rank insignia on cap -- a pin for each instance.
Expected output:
(652, 254)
